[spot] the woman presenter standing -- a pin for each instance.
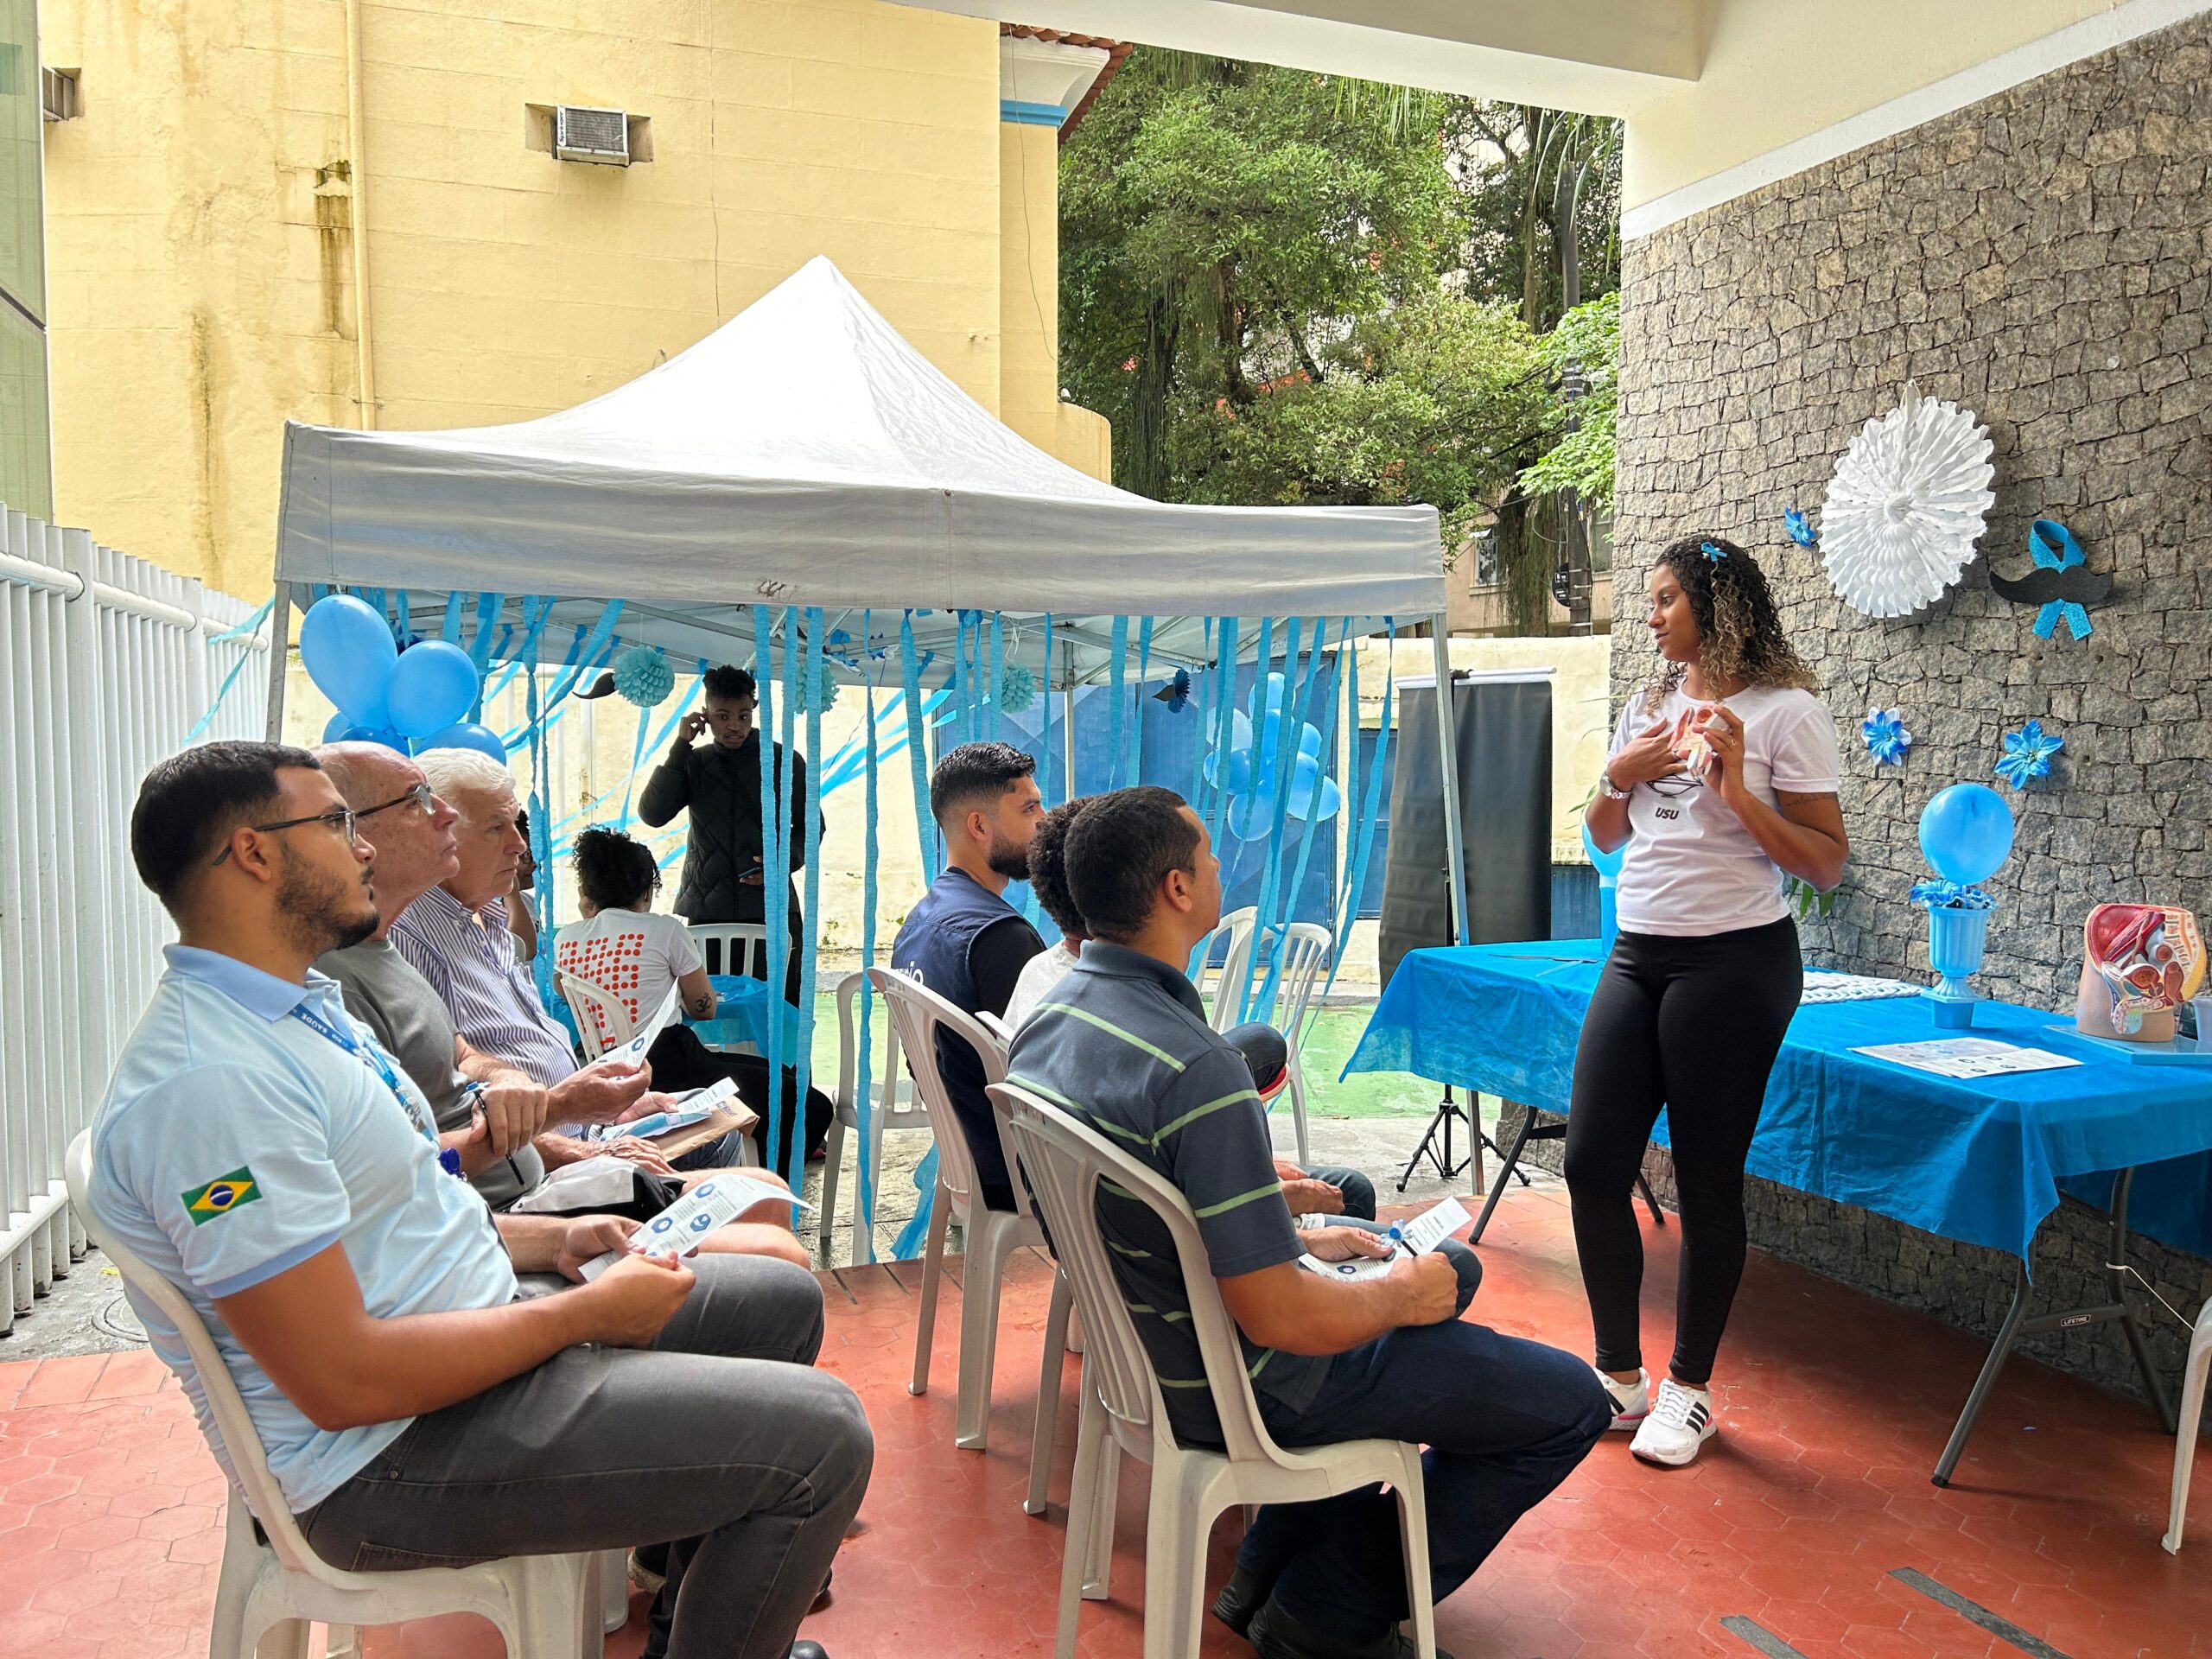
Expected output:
(1721, 782)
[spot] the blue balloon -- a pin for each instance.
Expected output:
(1309, 743)
(1608, 865)
(347, 651)
(467, 734)
(1312, 796)
(1965, 832)
(337, 728)
(433, 685)
(384, 735)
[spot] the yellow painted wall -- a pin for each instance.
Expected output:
(1776, 71)
(200, 227)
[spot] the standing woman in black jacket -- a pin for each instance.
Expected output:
(724, 878)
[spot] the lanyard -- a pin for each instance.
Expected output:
(372, 1058)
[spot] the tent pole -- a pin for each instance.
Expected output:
(1447, 744)
(280, 629)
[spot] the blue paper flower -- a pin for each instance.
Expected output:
(1951, 895)
(1713, 551)
(2027, 754)
(642, 675)
(1017, 690)
(1176, 693)
(824, 691)
(1887, 737)
(1800, 528)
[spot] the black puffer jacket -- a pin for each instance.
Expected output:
(721, 788)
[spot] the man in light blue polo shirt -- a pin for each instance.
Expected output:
(262, 1152)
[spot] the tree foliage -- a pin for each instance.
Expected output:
(1285, 287)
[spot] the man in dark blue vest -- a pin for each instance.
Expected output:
(963, 940)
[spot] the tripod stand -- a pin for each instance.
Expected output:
(1436, 1141)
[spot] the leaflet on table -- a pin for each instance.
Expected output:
(679, 1229)
(1967, 1057)
(1416, 1237)
(634, 1052)
(696, 1106)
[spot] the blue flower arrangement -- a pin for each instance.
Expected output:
(642, 677)
(1939, 894)
(1017, 690)
(1800, 528)
(2027, 754)
(1887, 737)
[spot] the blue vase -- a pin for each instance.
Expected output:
(1955, 940)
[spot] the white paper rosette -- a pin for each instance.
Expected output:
(1905, 506)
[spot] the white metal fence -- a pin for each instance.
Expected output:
(107, 664)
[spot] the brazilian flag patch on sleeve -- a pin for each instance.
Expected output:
(222, 1195)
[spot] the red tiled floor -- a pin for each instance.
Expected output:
(1834, 1409)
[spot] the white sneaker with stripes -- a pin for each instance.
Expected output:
(1632, 1400)
(1680, 1422)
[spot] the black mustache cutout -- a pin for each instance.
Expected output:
(2077, 584)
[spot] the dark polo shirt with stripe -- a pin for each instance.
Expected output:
(1122, 1043)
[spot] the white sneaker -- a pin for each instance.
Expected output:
(1632, 1400)
(1680, 1422)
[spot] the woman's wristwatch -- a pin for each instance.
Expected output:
(1608, 788)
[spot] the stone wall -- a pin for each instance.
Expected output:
(2043, 259)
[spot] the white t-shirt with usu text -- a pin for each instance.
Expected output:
(1691, 869)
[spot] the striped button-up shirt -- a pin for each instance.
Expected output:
(1122, 1042)
(468, 956)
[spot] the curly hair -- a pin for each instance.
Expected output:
(614, 871)
(1739, 632)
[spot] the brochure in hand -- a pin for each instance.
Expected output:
(1416, 1237)
(680, 1229)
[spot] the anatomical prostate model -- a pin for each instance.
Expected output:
(2143, 961)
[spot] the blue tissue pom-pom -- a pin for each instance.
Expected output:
(642, 675)
(1017, 690)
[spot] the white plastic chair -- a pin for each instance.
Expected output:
(269, 1592)
(1235, 928)
(2192, 1419)
(991, 1235)
(1064, 1161)
(895, 1106)
(1304, 954)
(724, 937)
(602, 1020)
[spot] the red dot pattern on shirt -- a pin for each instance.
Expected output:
(609, 964)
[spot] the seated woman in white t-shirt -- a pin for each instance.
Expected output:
(634, 953)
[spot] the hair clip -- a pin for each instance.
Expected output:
(1713, 551)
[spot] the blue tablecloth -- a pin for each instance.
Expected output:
(1979, 1160)
(741, 1017)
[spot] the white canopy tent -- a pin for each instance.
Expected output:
(804, 454)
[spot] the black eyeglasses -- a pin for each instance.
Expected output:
(422, 795)
(342, 821)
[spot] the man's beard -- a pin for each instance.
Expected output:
(321, 912)
(1009, 859)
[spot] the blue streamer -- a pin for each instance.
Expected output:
(252, 624)
(1312, 821)
(1348, 910)
(1045, 724)
(865, 1080)
(998, 675)
(810, 906)
(1289, 721)
(450, 631)
(917, 744)
(1114, 711)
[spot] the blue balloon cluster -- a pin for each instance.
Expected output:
(420, 696)
(1250, 770)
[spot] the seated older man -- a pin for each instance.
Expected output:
(492, 1113)
(456, 937)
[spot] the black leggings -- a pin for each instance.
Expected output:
(1694, 1025)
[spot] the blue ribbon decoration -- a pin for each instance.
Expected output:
(864, 1077)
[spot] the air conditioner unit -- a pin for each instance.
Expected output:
(58, 94)
(580, 133)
